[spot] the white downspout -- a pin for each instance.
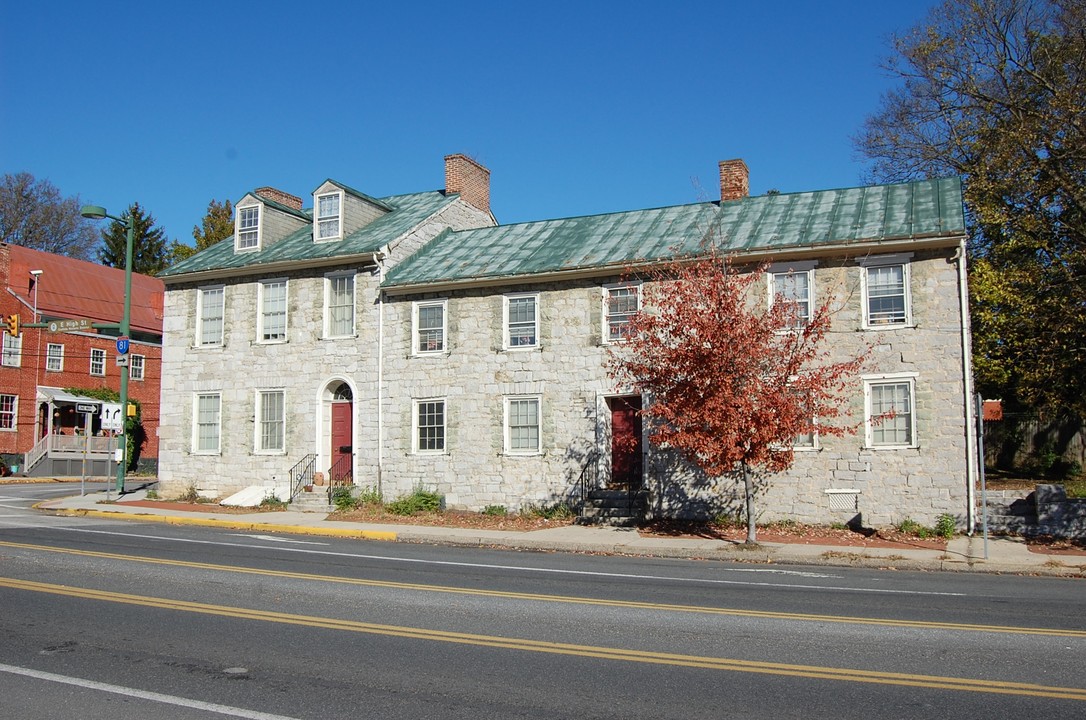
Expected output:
(380, 373)
(967, 388)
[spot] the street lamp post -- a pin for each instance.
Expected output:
(99, 213)
(35, 276)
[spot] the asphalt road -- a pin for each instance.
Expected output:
(119, 619)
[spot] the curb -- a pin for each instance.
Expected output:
(230, 524)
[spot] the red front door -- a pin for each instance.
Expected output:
(626, 442)
(342, 445)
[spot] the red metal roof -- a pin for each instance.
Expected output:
(70, 288)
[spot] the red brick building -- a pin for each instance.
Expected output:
(42, 370)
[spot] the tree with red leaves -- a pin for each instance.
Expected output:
(730, 383)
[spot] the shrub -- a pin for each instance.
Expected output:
(189, 495)
(152, 494)
(344, 499)
(498, 510)
(418, 501)
(272, 502)
(945, 525)
(911, 527)
(557, 511)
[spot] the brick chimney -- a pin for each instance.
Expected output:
(469, 179)
(734, 180)
(283, 198)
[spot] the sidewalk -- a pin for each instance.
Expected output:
(1005, 555)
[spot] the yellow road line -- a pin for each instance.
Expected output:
(632, 604)
(999, 687)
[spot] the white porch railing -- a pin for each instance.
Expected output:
(70, 446)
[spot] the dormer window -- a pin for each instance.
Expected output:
(329, 216)
(248, 228)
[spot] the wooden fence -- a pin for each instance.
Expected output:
(1020, 441)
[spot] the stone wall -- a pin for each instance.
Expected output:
(1045, 511)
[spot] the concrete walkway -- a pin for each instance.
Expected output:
(1004, 555)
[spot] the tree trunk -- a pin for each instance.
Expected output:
(748, 490)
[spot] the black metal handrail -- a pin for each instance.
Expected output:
(590, 477)
(302, 474)
(341, 472)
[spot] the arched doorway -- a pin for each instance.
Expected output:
(341, 458)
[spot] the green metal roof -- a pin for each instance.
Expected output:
(768, 223)
(408, 211)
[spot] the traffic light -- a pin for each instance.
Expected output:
(11, 324)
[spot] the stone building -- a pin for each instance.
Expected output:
(411, 341)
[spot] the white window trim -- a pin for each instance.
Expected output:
(415, 306)
(505, 321)
(260, 310)
(50, 356)
(14, 413)
(259, 227)
(258, 419)
(196, 425)
(873, 261)
(200, 317)
(415, 426)
(605, 330)
(889, 379)
(508, 449)
(328, 279)
(95, 352)
(317, 218)
(11, 354)
(132, 365)
(805, 267)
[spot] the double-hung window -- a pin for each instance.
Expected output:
(248, 237)
(886, 291)
(890, 413)
(329, 220)
(272, 320)
(429, 327)
(135, 366)
(521, 321)
(207, 421)
(522, 425)
(620, 303)
(271, 421)
(97, 361)
(339, 305)
(430, 426)
(54, 357)
(210, 307)
(794, 285)
(12, 355)
(9, 406)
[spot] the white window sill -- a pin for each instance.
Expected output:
(522, 348)
(889, 326)
(890, 447)
(522, 453)
(434, 354)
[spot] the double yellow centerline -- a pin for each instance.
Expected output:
(525, 645)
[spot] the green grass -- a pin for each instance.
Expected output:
(496, 510)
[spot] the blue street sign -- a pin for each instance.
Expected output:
(122, 344)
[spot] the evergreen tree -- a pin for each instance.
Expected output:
(150, 252)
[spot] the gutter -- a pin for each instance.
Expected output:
(971, 441)
(268, 268)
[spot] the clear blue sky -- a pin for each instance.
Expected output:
(576, 107)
